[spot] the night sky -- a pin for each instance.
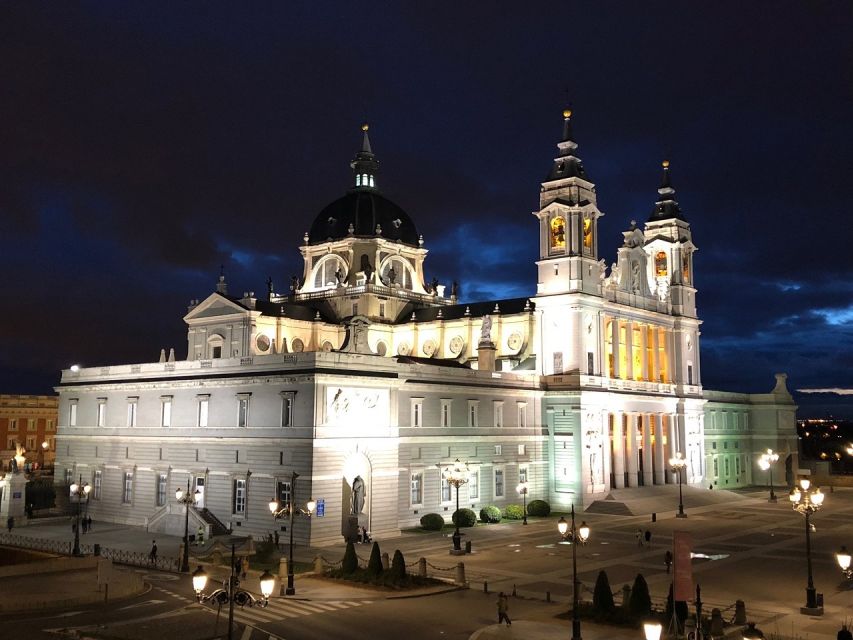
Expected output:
(143, 145)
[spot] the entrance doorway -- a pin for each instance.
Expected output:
(199, 492)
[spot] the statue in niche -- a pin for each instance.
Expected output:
(339, 277)
(392, 276)
(367, 267)
(615, 274)
(635, 277)
(357, 498)
(486, 329)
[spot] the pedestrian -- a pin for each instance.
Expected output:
(639, 536)
(85, 525)
(245, 566)
(503, 608)
(365, 536)
(667, 560)
(275, 536)
(89, 519)
(152, 555)
(10, 523)
(844, 634)
(648, 537)
(199, 538)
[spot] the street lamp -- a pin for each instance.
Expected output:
(456, 475)
(677, 464)
(843, 557)
(522, 489)
(806, 500)
(577, 535)
(231, 594)
(766, 462)
(652, 630)
(77, 492)
(187, 499)
(290, 510)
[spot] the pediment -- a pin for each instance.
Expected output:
(215, 305)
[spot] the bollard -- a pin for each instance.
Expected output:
(654, 517)
(716, 624)
(467, 546)
(318, 565)
(282, 567)
(740, 612)
(460, 574)
(514, 592)
(386, 563)
(422, 572)
(547, 596)
(485, 586)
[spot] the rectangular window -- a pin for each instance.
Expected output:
(72, 414)
(239, 502)
(558, 362)
(499, 483)
(473, 418)
(287, 398)
(13, 424)
(417, 488)
(522, 415)
(716, 468)
(714, 445)
(127, 494)
(217, 352)
(689, 374)
(590, 363)
(417, 412)
(10, 443)
(522, 472)
(726, 465)
(381, 309)
(96, 485)
(165, 411)
(474, 485)
(132, 405)
(161, 489)
(445, 490)
(102, 412)
(31, 443)
(445, 413)
(283, 493)
(737, 465)
(498, 449)
(522, 449)
(69, 476)
(499, 413)
(355, 309)
(203, 413)
(49, 426)
(243, 409)
(31, 424)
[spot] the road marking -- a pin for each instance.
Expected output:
(142, 604)
(278, 610)
(247, 633)
(161, 577)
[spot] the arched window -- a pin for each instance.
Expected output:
(215, 343)
(329, 271)
(660, 263)
(558, 233)
(401, 275)
(358, 180)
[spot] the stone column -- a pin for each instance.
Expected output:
(606, 456)
(648, 476)
(629, 348)
(644, 346)
(655, 372)
(618, 451)
(631, 450)
(660, 454)
(672, 447)
(614, 337)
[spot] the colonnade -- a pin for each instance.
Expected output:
(641, 446)
(620, 343)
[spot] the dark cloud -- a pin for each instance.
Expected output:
(142, 146)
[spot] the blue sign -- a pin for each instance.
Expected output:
(16, 495)
(321, 507)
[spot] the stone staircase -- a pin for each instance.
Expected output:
(215, 527)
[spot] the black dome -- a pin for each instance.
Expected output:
(363, 209)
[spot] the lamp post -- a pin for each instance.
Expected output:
(766, 462)
(187, 499)
(456, 475)
(652, 630)
(290, 510)
(577, 535)
(78, 491)
(231, 594)
(843, 558)
(806, 500)
(677, 464)
(522, 490)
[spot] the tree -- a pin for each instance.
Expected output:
(640, 604)
(602, 597)
(374, 566)
(350, 561)
(398, 567)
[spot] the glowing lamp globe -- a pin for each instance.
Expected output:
(311, 505)
(818, 496)
(795, 495)
(843, 558)
(73, 488)
(805, 483)
(652, 630)
(267, 584)
(273, 505)
(179, 494)
(583, 532)
(562, 526)
(199, 580)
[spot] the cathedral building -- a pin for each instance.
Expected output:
(367, 380)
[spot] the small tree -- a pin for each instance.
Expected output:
(602, 597)
(398, 567)
(350, 561)
(374, 566)
(640, 604)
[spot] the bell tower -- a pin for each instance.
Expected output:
(568, 224)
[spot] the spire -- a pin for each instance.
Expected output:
(364, 166)
(221, 285)
(567, 164)
(666, 207)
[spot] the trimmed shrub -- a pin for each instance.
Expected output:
(464, 518)
(350, 561)
(602, 597)
(513, 512)
(432, 522)
(398, 567)
(490, 514)
(640, 604)
(374, 566)
(538, 508)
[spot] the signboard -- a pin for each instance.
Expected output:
(682, 570)
(16, 495)
(321, 507)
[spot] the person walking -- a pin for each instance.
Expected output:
(844, 633)
(648, 536)
(10, 523)
(503, 608)
(244, 565)
(89, 522)
(639, 536)
(152, 555)
(199, 538)
(667, 560)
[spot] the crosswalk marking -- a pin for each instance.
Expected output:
(247, 633)
(278, 610)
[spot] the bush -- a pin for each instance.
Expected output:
(464, 518)
(490, 514)
(538, 508)
(640, 604)
(602, 597)
(398, 568)
(350, 561)
(374, 565)
(513, 512)
(432, 522)
(265, 551)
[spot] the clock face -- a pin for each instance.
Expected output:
(298, 345)
(456, 345)
(403, 349)
(429, 348)
(514, 341)
(263, 343)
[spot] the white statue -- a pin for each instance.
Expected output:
(486, 329)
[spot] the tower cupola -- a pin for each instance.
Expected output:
(666, 207)
(365, 166)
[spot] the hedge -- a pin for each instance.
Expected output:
(490, 514)
(538, 508)
(513, 512)
(432, 522)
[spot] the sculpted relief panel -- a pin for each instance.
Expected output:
(357, 407)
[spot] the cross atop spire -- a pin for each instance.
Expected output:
(666, 207)
(365, 166)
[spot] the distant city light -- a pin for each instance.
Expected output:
(75, 368)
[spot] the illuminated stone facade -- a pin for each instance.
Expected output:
(29, 422)
(365, 373)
